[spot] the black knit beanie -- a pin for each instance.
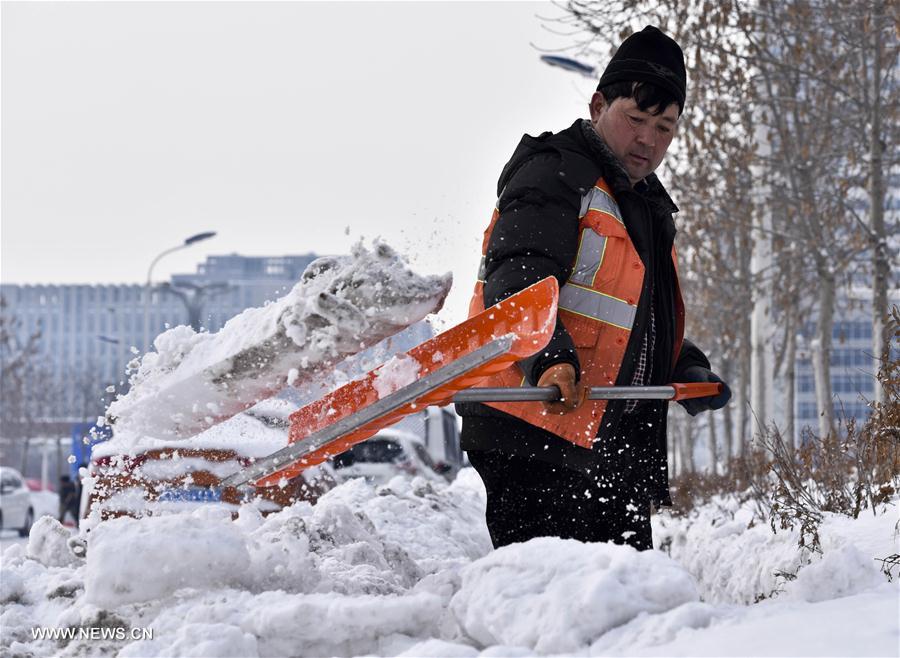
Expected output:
(649, 56)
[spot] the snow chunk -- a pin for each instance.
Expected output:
(132, 560)
(556, 595)
(438, 526)
(395, 374)
(48, 543)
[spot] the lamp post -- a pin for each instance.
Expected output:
(119, 342)
(199, 237)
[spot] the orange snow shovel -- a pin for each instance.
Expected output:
(437, 372)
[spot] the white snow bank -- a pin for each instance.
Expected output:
(556, 596)
(861, 625)
(736, 558)
(407, 569)
(341, 306)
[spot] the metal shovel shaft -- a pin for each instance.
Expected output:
(551, 393)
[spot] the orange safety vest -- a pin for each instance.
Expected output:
(597, 306)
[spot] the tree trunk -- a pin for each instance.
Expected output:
(688, 446)
(743, 404)
(728, 439)
(880, 265)
(675, 450)
(790, 376)
(745, 341)
(821, 352)
(713, 446)
(761, 322)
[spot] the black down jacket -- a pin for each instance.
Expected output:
(536, 236)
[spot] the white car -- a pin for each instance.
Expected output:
(16, 508)
(390, 452)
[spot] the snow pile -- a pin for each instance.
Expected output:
(407, 569)
(340, 306)
(736, 558)
(180, 551)
(556, 596)
(338, 578)
(439, 526)
(844, 571)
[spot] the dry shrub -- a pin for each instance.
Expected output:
(746, 478)
(854, 469)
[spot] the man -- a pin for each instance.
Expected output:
(69, 498)
(584, 206)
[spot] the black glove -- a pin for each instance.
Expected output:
(698, 374)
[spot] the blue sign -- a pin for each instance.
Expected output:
(84, 437)
(191, 494)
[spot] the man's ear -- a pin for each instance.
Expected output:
(597, 106)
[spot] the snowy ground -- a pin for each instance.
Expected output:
(407, 569)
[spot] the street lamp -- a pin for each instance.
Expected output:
(569, 64)
(199, 237)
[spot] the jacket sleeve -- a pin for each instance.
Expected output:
(535, 236)
(690, 355)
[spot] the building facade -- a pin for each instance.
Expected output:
(90, 332)
(853, 366)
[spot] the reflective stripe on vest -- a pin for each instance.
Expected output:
(600, 200)
(590, 256)
(597, 306)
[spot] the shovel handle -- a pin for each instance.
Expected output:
(696, 390)
(551, 393)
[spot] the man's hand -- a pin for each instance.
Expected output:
(562, 375)
(697, 374)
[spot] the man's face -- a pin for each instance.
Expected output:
(638, 139)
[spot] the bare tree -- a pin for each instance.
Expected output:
(89, 388)
(26, 387)
(815, 79)
(867, 86)
(194, 296)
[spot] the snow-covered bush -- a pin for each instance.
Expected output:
(853, 469)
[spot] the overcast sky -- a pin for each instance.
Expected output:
(286, 127)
